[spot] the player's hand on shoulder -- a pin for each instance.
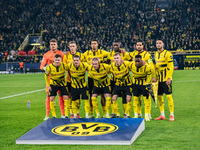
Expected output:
(123, 50)
(67, 53)
(154, 80)
(45, 68)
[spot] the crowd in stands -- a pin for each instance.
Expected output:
(106, 20)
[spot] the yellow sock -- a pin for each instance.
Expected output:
(78, 102)
(155, 91)
(53, 109)
(66, 107)
(87, 106)
(161, 103)
(103, 110)
(146, 105)
(124, 108)
(170, 103)
(74, 108)
(91, 110)
(135, 104)
(149, 106)
(128, 108)
(113, 108)
(70, 105)
(140, 105)
(95, 105)
(116, 107)
(108, 103)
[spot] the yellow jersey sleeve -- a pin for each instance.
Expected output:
(127, 56)
(132, 54)
(150, 62)
(65, 58)
(148, 71)
(48, 70)
(170, 65)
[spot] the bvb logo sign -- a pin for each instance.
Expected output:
(85, 129)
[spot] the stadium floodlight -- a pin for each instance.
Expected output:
(36, 44)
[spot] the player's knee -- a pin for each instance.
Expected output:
(114, 98)
(65, 97)
(128, 98)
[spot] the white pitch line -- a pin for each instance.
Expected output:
(187, 81)
(22, 94)
(44, 89)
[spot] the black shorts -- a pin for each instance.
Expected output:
(75, 93)
(54, 89)
(125, 90)
(104, 90)
(69, 86)
(164, 88)
(112, 85)
(140, 90)
(90, 85)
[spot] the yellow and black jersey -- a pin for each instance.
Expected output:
(142, 75)
(57, 74)
(100, 76)
(121, 74)
(68, 58)
(146, 57)
(89, 54)
(125, 56)
(101, 54)
(164, 65)
(77, 75)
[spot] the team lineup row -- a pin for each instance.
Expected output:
(139, 62)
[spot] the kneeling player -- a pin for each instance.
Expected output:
(77, 70)
(141, 78)
(99, 73)
(57, 82)
(120, 70)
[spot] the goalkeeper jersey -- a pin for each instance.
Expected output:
(48, 58)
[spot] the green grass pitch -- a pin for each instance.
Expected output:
(183, 133)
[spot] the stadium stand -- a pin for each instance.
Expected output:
(107, 20)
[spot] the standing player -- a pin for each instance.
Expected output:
(164, 71)
(48, 58)
(148, 59)
(125, 56)
(141, 78)
(120, 70)
(77, 71)
(99, 73)
(89, 54)
(57, 82)
(68, 58)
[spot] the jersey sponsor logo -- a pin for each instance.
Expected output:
(85, 129)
